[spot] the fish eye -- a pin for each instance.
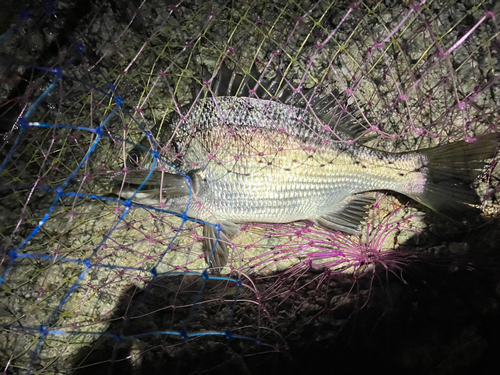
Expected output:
(133, 159)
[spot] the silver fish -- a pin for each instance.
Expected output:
(253, 159)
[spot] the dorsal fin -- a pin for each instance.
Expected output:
(326, 107)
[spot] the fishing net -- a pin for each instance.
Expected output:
(93, 282)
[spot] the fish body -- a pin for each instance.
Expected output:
(257, 160)
(263, 161)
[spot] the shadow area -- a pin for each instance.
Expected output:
(443, 317)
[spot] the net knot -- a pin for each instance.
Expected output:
(58, 72)
(184, 334)
(119, 101)
(23, 123)
(43, 330)
(154, 272)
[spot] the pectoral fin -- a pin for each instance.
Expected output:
(349, 216)
(216, 249)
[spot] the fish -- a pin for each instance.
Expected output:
(259, 151)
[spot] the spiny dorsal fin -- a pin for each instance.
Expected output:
(326, 107)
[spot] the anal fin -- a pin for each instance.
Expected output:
(348, 218)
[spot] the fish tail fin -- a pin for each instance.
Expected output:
(451, 171)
